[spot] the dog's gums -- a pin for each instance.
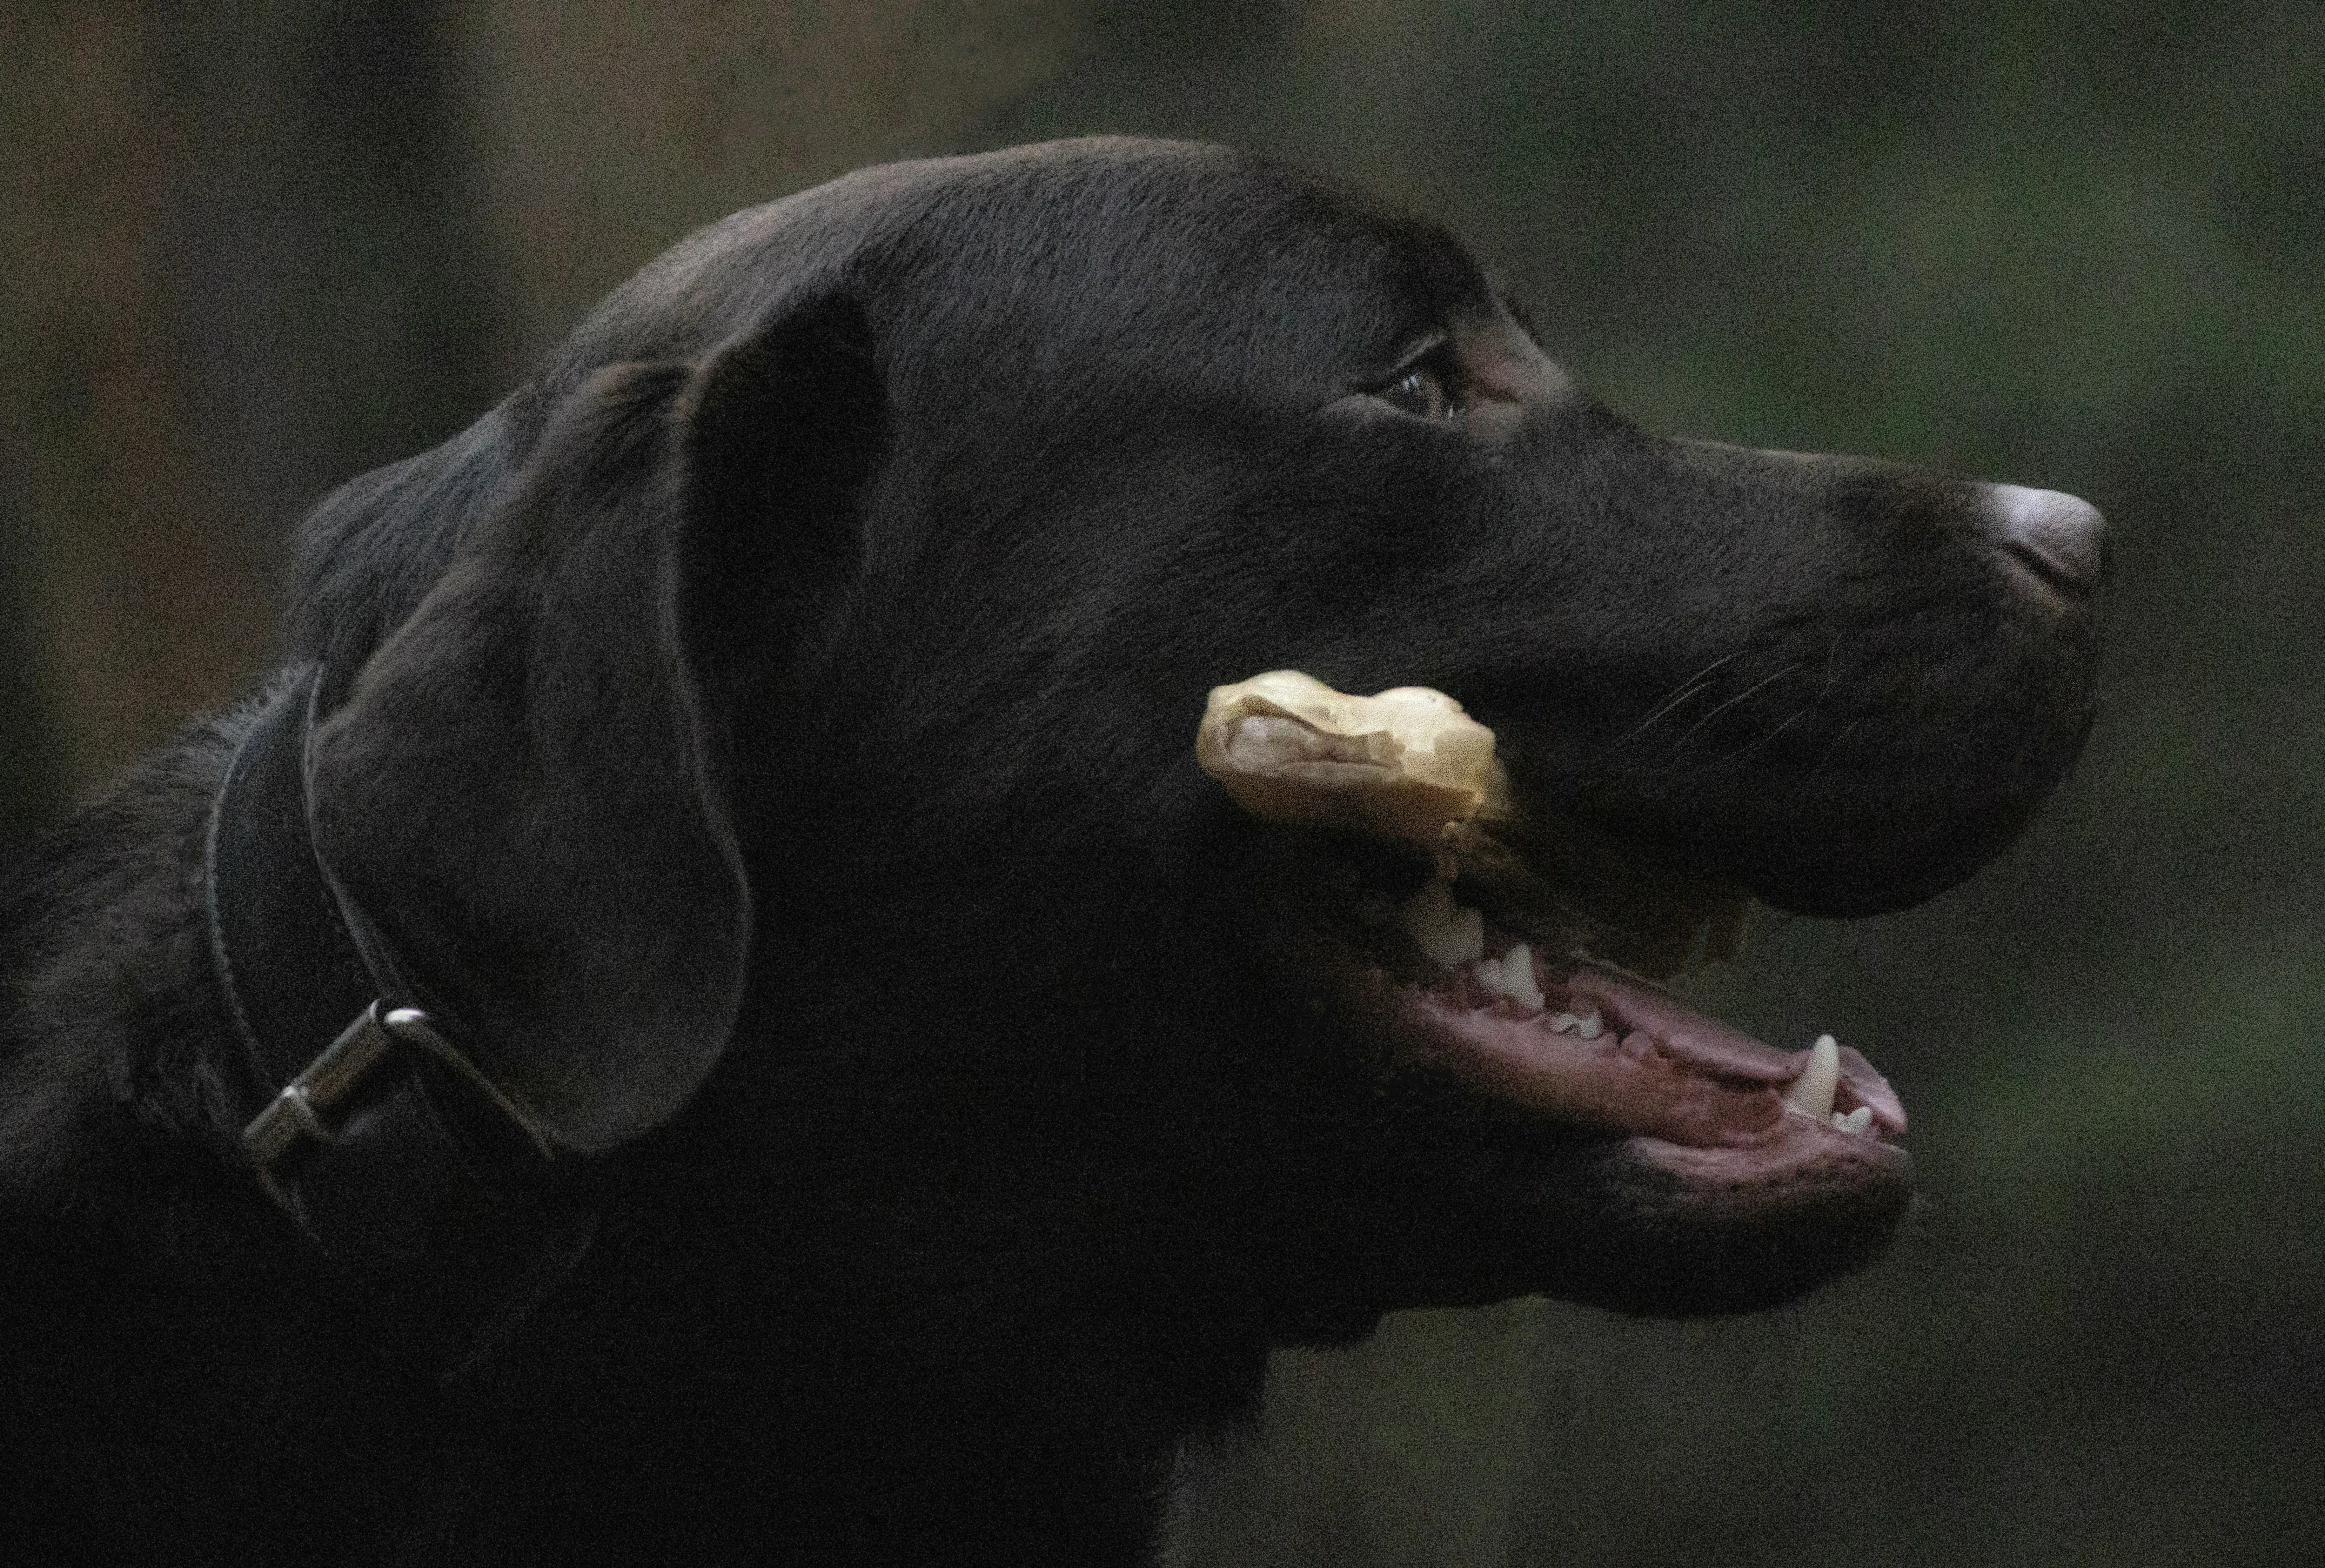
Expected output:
(1542, 1006)
(1573, 1039)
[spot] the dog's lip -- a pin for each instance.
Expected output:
(1659, 1072)
(1680, 1093)
(1712, 1045)
(1701, 1105)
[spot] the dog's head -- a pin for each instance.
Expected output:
(803, 671)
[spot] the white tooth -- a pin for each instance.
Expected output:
(1587, 1024)
(1811, 1092)
(1856, 1121)
(1450, 935)
(1490, 975)
(1512, 975)
(1518, 978)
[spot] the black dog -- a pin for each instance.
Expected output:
(846, 1086)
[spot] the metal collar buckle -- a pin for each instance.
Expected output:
(314, 1107)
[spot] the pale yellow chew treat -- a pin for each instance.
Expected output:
(1406, 763)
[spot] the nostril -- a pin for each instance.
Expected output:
(2059, 538)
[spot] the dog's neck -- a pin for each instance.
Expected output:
(398, 1160)
(1053, 1428)
(107, 1005)
(291, 971)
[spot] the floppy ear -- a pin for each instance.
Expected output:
(522, 795)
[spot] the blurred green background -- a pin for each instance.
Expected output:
(256, 247)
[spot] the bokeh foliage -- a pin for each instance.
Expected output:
(2080, 245)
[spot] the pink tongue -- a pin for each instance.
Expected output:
(1703, 1041)
(1693, 1036)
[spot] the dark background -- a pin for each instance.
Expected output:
(250, 249)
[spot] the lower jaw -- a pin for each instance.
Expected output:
(1712, 1122)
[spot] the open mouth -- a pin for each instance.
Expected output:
(1527, 957)
(1556, 1009)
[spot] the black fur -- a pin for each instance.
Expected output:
(769, 735)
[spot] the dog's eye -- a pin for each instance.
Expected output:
(1420, 391)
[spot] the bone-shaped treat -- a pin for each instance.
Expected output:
(1404, 764)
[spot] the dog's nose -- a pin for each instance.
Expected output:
(2060, 539)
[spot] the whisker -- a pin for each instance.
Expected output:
(1756, 743)
(1745, 696)
(1680, 695)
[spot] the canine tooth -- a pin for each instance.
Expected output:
(1811, 1092)
(1450, 935)
(1856, 1121)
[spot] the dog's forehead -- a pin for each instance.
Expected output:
(1133, 248)
(1150, 211)
(1194, 261)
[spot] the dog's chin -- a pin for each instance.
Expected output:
(1637, 1152)
(1617, 1223)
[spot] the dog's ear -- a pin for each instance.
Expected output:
(522, 793)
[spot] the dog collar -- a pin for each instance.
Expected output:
(405, 1165)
